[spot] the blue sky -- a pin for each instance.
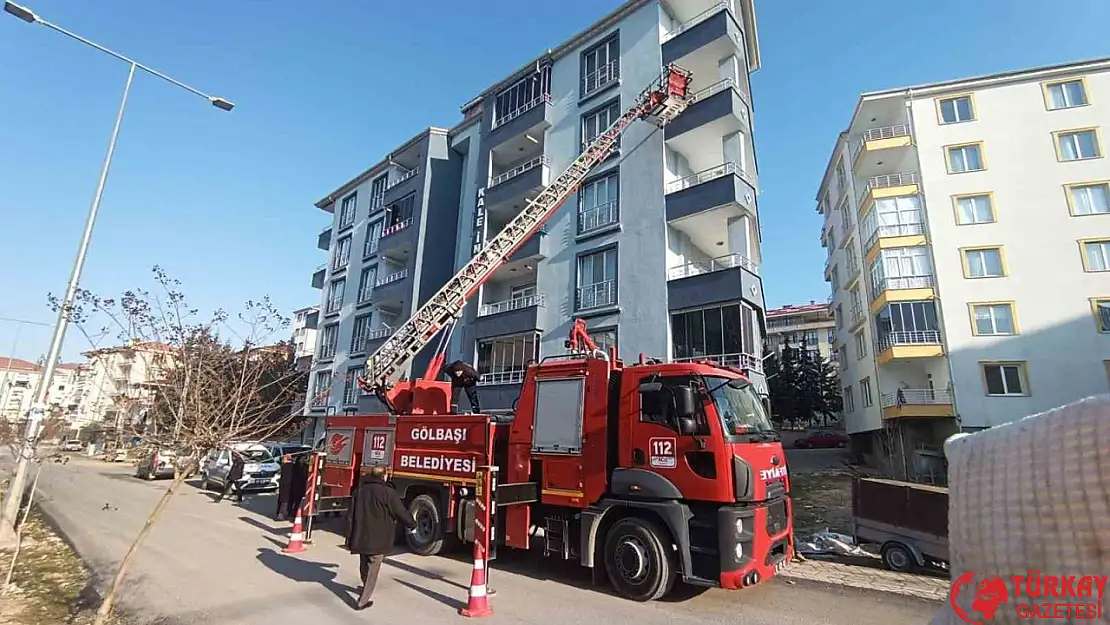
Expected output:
(225, 201)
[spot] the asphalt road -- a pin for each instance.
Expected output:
(222, 563)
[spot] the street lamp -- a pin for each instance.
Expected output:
(11, 504)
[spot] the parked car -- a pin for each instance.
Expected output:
(157, 463)
(278, 450)
(72, 445)
(822, 438)
(260, 469)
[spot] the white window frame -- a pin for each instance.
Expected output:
(956, 109)
(901, 268)
(973, 204)
(1050, 90)
(963, 150)
(589, 293)
(1102, 247)
(348, 209)
(981, 252)
(329, 341)
(1100, 307)
(337, 290)
(861, 345)
(350, 385)
(359, 333)
(591, 122)
(373, 235)
(865, 392)
(594, 214)
(321, 389)
(849, 399)
(377, 191)
(366, 281)
(342, 253)
(600, 66)
(1071, 138)
(993, 318)
(1002, 367)
(1085, 191)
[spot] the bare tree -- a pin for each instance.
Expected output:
(210, 380)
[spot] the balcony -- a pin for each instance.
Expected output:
(880, 138)
(856, 317)
(393, 288)
(495, 378)
(323, 241)
(852, 270)
(319, 275)
(517, 183)
(728, 278)
(405, 182)
(600, 217)
(599, 296)
(511, 316)
(901, 289)
(908, 344)
(535, 248)
(917, 402)
(897, 235)
(716, 110)
(722, 190)
(334, 304)
(707, 32)
(398, 240)
(532, 118)
(741, 361)
(887, 185)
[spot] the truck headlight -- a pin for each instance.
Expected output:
(739, 526)
(739, 551)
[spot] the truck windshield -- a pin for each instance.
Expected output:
(738, 406)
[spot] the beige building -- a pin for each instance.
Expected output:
(305, 321)
(19, 381)
(793, 325)
(117, 382)
(968, 233)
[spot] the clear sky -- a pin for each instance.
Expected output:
(224, 201)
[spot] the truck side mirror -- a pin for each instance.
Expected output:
(684, 402)
(651, 387)
(687, 426)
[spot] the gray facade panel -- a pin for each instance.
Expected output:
(716, 287)
(728, 189)
(402, 189)
(720, 25)
(515, 186)
(716, 106)
(535, 247)
(506, 323)
(404, 239)
(536, 119)
(318, 278)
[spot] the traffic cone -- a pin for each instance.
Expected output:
(477, 604)
(296, 537)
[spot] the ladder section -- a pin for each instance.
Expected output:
(660, 103)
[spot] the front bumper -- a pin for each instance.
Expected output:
(257, 482)
(766, 544)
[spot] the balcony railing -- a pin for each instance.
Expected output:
(886, 181)
(333, 305)
(721, 85)
(517, 303)
(403, 177)
(852, 267)
(394, 229)
(694, 21)
(743, 361)
(364, 292)
(518, 170)
(601, 77)
(379, 333)
(596, 295)
(694, 180)
(881, 132)
(721, 263)
(377, 201)
(857, 314)
(396, 276)
(598, 217)
(520, 110)
(916, 396)
(327, 350)
(896, 230)
(881, 285)
(490, 378)
(916, 337)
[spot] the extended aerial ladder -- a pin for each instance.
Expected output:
(660, 103)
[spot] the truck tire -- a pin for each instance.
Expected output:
(639, 559)
(897, 557)
(428, 539)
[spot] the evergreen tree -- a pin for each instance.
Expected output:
(831, 401)
(783, 386)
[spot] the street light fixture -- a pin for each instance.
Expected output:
(11, 504)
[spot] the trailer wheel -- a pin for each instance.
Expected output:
(897, 557)
(428, 539)
(638, 560)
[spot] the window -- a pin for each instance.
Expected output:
(831, 336)
(342, 254)
(1004, 379)
(329, 341)
(335, 296)
(1091, 198)
(350, 385)
(1100, 306)
(600, 66)
(849, 400)
(1096, 255)
(373, 233)
(604, 338)
(983, 262)
(842, 357)
(861, 345)
(993, 319)
(1077, 145)
(366, 283)
(834, 277)
(398, 215)
(595, 123)
(360, 333)
(503, 360)
(957, 109)
(347, 210)
(321, 388)
(597, 280)
(865, 392)
(974, 209)
(377, 192)
(901, 268)
(841, 179)
(723, 331)
(521, 96)
(1065, 94)
(964, 158)
(907, 323)
(893, 217)
(598, 203)
(839, 316)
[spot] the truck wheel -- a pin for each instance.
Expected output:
(428, 539)
(640, 564)
(897, 557)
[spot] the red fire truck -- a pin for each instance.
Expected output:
(651, 471)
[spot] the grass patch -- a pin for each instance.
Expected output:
(822, 500)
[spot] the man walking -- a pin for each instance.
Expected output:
(234, 474)
(371, 526)
(463, 377)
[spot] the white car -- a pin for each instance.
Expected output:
(72, 445)
(261, 472)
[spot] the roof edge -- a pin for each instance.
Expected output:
(376, 168)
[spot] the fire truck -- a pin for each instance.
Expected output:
(651, 472)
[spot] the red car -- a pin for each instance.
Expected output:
(822, 438)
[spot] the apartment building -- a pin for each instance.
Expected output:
(117, 382)
(968, 233)
(658, 252)
(305, 322)
(19, 381)
(811, 325)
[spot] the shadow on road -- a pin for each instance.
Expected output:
(323, 573)
(278, 531)
(426, 574)
(450, 602)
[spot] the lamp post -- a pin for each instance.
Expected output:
(38, 408)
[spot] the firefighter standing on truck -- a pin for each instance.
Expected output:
(463, 377)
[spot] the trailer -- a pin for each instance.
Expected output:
(909, 521)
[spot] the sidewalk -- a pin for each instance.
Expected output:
(867, 577)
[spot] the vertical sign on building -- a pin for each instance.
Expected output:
(479, 223)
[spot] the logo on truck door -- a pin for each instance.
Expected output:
(663, 453)
(337, 443)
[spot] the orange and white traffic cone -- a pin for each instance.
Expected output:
(477, 603)
(296, 537)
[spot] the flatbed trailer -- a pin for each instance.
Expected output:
(909, 521)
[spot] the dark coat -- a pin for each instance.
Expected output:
(462, 374)
(371, 519)
(235, 473)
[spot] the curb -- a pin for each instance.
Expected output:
(791, 575)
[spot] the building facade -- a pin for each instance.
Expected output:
(658, 252)
(305, 322)
(116, 383)
(20, 379)
(968, 231)
(811, 325)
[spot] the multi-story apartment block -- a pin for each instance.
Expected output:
(968, 230)
(117, 382)
(811, 325)
(305, 322)
(18, 381)
(658, 252)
